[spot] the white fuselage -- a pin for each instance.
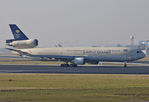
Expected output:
(91, 54)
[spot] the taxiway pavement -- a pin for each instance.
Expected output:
(74, 70)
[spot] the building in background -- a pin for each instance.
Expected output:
(145, 45)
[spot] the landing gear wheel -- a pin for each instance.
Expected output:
(125, 64)
(73, 65)
(68, 65)
(64, 65)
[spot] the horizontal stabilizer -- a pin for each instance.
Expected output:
(19, 51)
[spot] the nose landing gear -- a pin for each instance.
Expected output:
(125, 64)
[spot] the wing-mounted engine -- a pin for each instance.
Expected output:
(20, 44)
(79, 60)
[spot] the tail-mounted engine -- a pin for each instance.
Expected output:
(31, 43)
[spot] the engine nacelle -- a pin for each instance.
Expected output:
(31, 43)
(79, 60)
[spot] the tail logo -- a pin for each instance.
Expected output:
(17, 34)
(17, 31)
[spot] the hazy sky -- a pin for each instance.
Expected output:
(74, 22)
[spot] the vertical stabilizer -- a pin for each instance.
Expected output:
(17, 33)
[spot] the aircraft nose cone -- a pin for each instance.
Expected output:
(142, 55)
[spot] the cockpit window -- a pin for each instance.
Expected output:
(139, 51)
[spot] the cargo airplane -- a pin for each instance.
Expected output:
(73, 56)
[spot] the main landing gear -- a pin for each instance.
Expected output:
(68, 65)
(125, 64)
